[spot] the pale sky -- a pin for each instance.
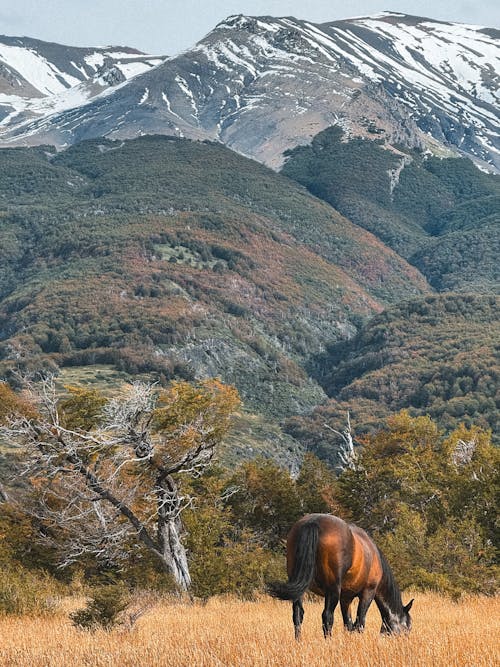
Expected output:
(169, 26)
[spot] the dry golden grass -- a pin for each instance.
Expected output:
(228, 632)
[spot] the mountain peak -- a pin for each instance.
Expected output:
(398, 17)
(262, 85)
(252, 24)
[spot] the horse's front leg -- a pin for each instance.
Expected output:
(298, 616)
(345, 606)
(365, 600)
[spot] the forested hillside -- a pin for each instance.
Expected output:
(437, 356)
(442, 215)
(181, 259)
(171, 258)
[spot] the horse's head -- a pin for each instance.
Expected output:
(394, 624)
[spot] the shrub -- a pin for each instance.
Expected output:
(102, 610)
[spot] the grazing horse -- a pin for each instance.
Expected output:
(340, 562)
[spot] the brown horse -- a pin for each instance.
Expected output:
(340, 562)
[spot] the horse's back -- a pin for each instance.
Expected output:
(346, 555)
(332, 531)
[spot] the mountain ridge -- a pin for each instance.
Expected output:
(39, 78)
(262, 85)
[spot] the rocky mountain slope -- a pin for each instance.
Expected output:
(263, 85)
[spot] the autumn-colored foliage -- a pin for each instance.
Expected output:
(82, 408)
(186, 403)
(430, 501)
(11, 403)
(427, 498)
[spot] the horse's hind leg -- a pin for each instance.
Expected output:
(331, 600)
(345, 606)
(298, 616)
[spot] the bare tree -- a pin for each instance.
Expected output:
(463, 452)
(4, 496)
(346, 452)
(117, 483)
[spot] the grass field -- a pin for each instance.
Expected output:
(227, 632)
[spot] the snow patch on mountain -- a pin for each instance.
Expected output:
(40, 79)
(36, 70)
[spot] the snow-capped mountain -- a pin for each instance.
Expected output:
(263, 85)
(41, 78)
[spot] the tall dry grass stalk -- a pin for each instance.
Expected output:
(228, 632)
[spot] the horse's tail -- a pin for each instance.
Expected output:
(304, 565)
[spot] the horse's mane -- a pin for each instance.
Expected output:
(389, 588)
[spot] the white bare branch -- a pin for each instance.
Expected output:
(346, 453)
(463, 452)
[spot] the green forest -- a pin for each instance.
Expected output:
(437, 356)
(442, 215)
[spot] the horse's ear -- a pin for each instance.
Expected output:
(409, 605)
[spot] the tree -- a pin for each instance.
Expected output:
(402, 463)
(265, 499)
(429, 500)
(316, 485)
(345, 452)
(11, 403)
(107, 472)
(225, 555)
